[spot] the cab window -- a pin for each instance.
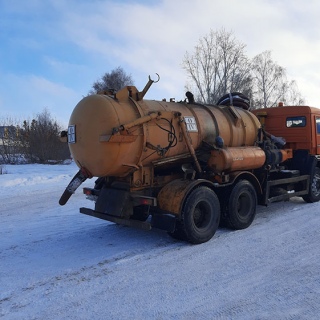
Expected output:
(318, 125)
(293, 122)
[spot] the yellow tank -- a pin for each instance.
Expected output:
(114, 135)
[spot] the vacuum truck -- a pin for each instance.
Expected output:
(187, 167)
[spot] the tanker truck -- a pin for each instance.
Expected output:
(187, 167)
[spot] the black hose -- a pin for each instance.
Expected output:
(236, 99)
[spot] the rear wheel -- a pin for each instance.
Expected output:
(240, 208)
(314, 191)
(200, 216)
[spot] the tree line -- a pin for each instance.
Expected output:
(32, 141)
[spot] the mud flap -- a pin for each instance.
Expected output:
(165, 222)
(115, 202)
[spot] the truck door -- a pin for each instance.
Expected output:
(318, 134)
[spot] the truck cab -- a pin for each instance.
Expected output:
(298, 125)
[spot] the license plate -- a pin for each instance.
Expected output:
(72, 134)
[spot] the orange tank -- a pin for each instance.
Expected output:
(233, 159)
(116, 135)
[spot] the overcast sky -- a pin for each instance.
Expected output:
(51, 51)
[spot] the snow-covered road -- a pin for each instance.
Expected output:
(56, 263)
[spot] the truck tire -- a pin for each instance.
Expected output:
(200, 216)
(314, 191)
(240, 209)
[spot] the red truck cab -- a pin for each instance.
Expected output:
(298, 125)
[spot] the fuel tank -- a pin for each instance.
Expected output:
(233, 159)
(114, 135)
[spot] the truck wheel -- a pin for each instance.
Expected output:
(240, 209)
(200, 216)
(314, 192)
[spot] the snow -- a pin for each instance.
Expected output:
(56, 263)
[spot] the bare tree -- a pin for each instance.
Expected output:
(292, 95)
(271, 84)
(217, 66)
(115, 80)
